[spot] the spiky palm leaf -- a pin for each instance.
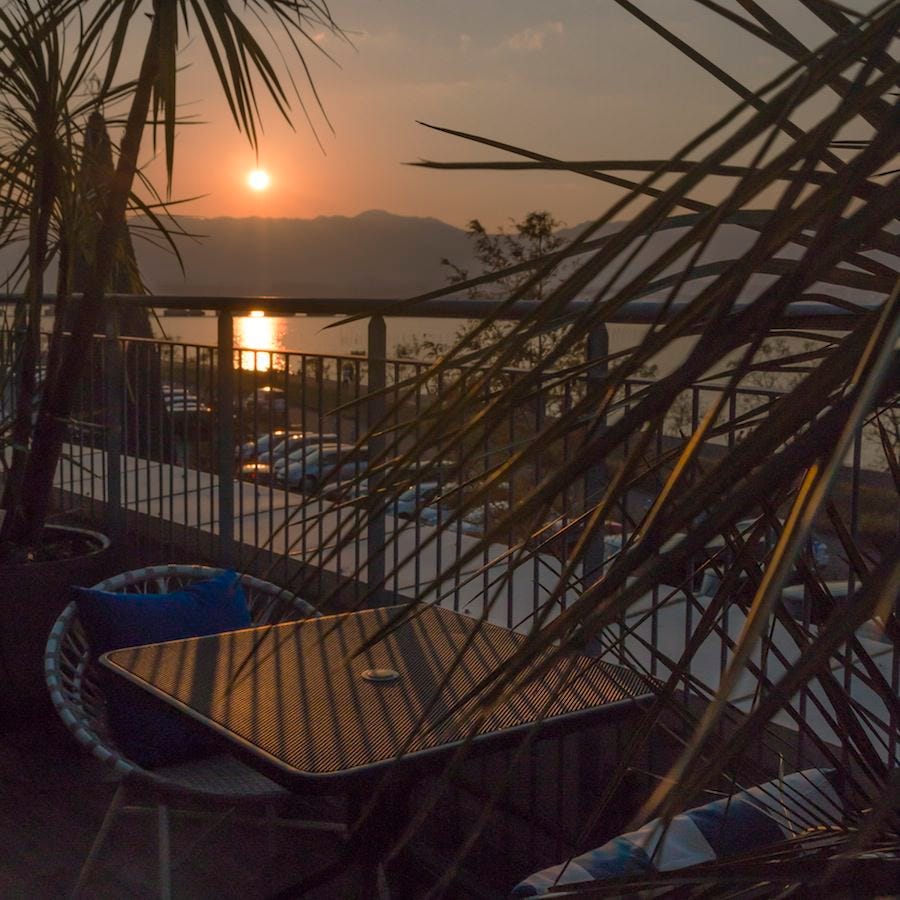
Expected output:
(829, 230)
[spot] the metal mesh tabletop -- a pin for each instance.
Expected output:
(292, 695)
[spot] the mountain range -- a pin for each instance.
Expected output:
(374, 254)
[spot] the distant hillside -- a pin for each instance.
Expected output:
(374, 254)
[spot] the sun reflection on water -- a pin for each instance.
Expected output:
(263, 338)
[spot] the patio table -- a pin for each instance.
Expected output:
(300, 701)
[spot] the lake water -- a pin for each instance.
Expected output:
(306, 334)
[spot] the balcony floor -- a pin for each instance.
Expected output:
(53, 799)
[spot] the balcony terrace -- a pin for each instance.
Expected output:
(153, 460)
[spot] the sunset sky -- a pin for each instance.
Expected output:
(576, 78)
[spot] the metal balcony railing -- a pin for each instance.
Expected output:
(154, 453)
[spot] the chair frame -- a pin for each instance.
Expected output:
(221, 780)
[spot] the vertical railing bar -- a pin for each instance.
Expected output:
(137, 421)
(851, 575)
(486, 463)
(377, 354)
(732, 412)
(304, 428)
(129, 417)
(240, 434)
(895, 667)
(895, 724)
(417, 522)
(539, 412)
(354, 376)
(457, 532)
(688, 606)
(264, 362)
(154, 435)
(114, 387)
(196, 469)
(189, 428)
(185, 430)
(567, 491)
(81, 476)
(439, 545)
(321, 375)
(70, 475)
(510, 538)
(226, 436)
(288, 431)
(176, 450)
(340, 425)
(284, 359)
(76, 472)
(280, 364)
(395, 521)
(254, 415)
(596, 353)
(246, 423)
(242, 429)
(267, 412)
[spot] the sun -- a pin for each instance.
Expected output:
(258, 180)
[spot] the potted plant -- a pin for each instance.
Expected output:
(47, 92)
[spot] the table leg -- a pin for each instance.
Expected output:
(387, 813)
(386, 808)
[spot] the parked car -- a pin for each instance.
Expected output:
(319, 465)
(290, 448)
(298, 454)
(253, 470)
(181, 401)
(265, 401)
(759, 539)
(262, 443)
(472, 522)
(343, 492)
(559, 536)
(405, 506)
(418, 496)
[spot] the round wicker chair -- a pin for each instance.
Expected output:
(220, 780)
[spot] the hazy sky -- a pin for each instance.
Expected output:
(576, 78)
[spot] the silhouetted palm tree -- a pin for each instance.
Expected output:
(243, 68)
(818, 212)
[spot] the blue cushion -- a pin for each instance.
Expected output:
(148, 732)
(753, 818)
(732, 825)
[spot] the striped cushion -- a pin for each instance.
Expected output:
(753, 818)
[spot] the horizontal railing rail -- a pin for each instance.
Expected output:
(807, 313)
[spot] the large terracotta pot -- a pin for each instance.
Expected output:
(32, 595)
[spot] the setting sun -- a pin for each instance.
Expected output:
(258, 180)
